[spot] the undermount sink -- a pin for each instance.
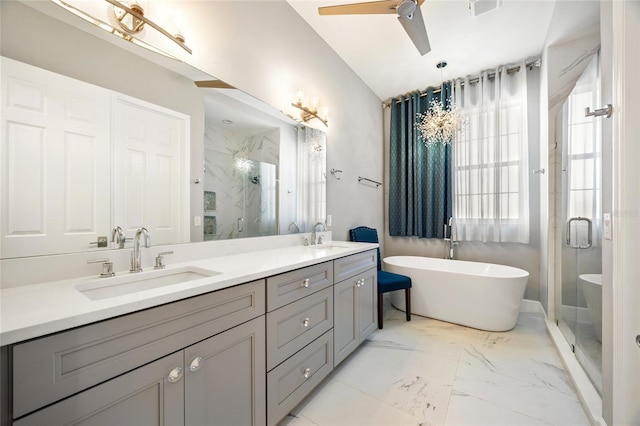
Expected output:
(328, 246)
(104, 288)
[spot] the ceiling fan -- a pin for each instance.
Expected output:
(408, 12)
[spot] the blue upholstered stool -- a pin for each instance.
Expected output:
(387, 281)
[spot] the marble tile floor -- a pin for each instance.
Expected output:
(427, 372)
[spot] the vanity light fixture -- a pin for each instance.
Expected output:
(131, 20)
(309, 113)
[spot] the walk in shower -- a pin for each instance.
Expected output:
(578, 242)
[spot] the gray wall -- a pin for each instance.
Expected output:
(279, 53)
(267, 49)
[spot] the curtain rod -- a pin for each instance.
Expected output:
(511, 70)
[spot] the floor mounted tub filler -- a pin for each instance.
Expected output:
(473, 294)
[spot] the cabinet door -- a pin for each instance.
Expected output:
(345, 327)
(367, 307)
(225, 379)
(355, 311)
(144, 396)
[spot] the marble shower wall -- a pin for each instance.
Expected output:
(240, 182)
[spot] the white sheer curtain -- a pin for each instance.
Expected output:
(312, 182)
(491, 202)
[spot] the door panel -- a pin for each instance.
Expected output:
(226, 378)
(55, 162)
(151, 192)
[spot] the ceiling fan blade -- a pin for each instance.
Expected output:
(414, 26)
(369, 8)
(214, 84)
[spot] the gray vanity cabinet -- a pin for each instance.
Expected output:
(355, 307)
(220, 380)
(299, 336)
(218, 339)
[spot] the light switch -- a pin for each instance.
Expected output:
(196, 221)
(328, 221)
(606, 226)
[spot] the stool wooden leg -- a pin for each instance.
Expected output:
(380, 313)
(407, 297)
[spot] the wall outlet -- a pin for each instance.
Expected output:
(328, 221)
(606, 226)
(197, 220)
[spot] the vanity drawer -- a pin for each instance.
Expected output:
(293, 326)
(350, 266)
(288, 287)
(294, 379)
(50, 368)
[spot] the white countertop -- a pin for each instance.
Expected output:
(39, 309)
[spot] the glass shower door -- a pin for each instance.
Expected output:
(581, 252)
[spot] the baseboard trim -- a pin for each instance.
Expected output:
(532, 307)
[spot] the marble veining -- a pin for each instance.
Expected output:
(427, 372)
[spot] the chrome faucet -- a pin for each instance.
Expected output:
(117, 236)
(452, 242)
(314, 239)
(135, 254)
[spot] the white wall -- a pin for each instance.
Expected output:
(620, 24)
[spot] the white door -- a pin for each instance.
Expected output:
(55, 166)
(152, 182)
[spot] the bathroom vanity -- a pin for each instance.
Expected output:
(239, 349)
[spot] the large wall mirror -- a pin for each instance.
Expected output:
(132, 142)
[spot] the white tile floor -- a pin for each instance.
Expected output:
(427, 372)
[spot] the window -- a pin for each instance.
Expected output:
(491, 160)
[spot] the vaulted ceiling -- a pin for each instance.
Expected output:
(378, 49)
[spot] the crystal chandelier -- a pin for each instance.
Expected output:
(439, 124)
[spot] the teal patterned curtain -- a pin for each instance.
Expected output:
(420, 189)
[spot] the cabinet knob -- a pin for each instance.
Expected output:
(305, 322)
(306, 373)
(175, 375)
(195, 364)
(360, 283)
(305, 283)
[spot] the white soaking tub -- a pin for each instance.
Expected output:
(478, 295)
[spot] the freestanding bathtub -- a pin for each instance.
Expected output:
(478, 295)
(591, 285)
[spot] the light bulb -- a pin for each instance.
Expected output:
(299, 95)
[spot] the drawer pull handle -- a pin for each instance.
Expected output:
(175, 375)
(305, 322)
(305, 283)
(195, 364)
(306, 373)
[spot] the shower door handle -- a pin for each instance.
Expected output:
(589, 232)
